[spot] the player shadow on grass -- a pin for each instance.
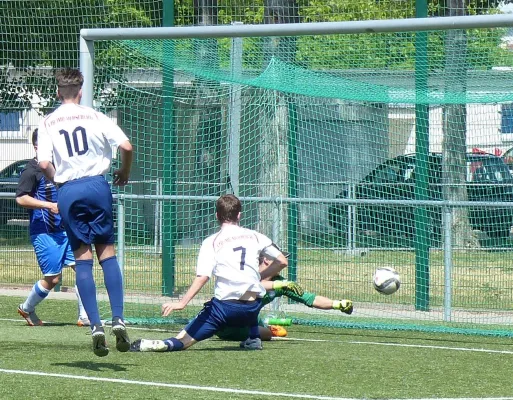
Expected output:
(53, 324)
(223, 348)
(95, 366)
(234, 346)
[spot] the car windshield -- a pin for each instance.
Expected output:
(488, 170)
(13, 170)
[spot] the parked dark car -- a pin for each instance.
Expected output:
(508, 159)
(9, 177)
(487, 179)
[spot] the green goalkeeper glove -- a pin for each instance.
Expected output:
(288, 286)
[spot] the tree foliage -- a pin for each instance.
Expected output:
(45, 33)
(38, 37)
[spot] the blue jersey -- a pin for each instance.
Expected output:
(33, 183)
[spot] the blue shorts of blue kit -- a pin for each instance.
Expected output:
(53, 252)
(217, 314)
(85, 206)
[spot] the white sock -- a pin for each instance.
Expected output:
(81, 310)
(36, 296)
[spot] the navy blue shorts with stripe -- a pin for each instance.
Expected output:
(86, 208)
(217, 314)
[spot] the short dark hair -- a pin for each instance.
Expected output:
(228, 208)
(34, 138)
(69, 82)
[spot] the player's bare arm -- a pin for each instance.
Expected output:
(268, 271)
(27, 201)
(195, 287)
(122, 175)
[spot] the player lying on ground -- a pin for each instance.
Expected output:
(231, 255)
(297, 294)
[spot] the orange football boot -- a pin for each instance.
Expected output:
(278, 330)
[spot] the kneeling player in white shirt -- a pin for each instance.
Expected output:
(231, 255)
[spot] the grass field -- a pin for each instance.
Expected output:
(480, 278)
(56, 362)
(481, 282)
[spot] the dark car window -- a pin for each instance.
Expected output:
(389, 173)
(488, 170)
(409, 173)
(435, 171)
(479, 170)
(14, 170)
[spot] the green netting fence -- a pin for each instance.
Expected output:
(297, 125)
(312, 117)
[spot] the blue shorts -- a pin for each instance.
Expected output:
(85, 206)
(53, 252)
(217, 314)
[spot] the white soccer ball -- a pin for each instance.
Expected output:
(386, 280)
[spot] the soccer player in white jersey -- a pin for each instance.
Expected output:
(231, 255)
(75, 151)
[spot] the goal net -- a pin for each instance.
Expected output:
(341, 147)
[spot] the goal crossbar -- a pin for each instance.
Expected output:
(301, 29)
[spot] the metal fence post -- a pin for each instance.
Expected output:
(447, 232)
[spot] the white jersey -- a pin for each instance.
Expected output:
(78, 140)
(231, 255)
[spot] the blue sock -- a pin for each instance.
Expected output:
(87, 289)
(173, 344)
(254, 332)
(114, 284)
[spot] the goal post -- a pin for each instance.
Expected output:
(328, 155)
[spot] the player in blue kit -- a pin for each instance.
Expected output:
(48, 237)
(75, 151)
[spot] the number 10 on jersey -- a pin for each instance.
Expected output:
(79, 146)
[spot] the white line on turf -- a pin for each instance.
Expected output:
(215, 389)
(14, 320)
(334, 341)
(423, 346)
(173, 385)
(137, 328)
(398, 345)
